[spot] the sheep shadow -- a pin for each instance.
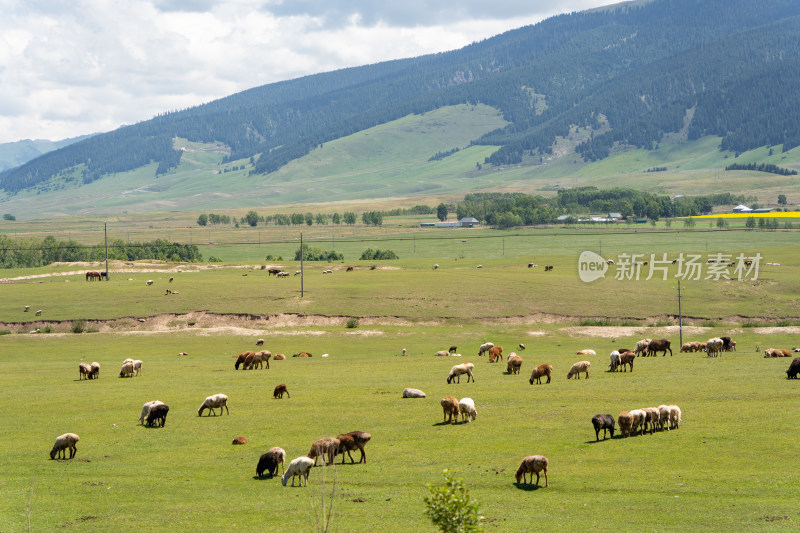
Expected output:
(527, 487)
(458, 423)
(264, 478)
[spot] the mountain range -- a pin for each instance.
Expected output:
(624, 77)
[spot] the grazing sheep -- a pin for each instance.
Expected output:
(260, 342)
(146, 408)
(521, 346)
(39, 312)
(577, 368)
(641, 347)
(442, 353)
(137, 367)
(485, 347)
(413, 393)
(183, 353)
(127, 370)
(260, 359)
(627, 359)
(585, 352)
(347, 444)
(27, 308)
(298, 467)
(659, 345)
(404, 352)
(239, 441)
(281, 455)
(450, 408)
(674, 416)
(326, 448)
(467, 408)
(794, 369)
(539, 371)
(349, 269)
(615, 361)
(279, 391)
(244, 359)
(458, 370)
(217, 401)
(663, 417)
(64, 442)
(714, 346)
(171, 279)
(687, 347)
(639, 417)
(652, 418)
(532, 464)
(158, 415)
(436, 266)
(95, 371)
(148, 282)
(355, 440)
(268, 462)
(495, 354)
(453, 349)
(84, 369)
(625, 421)
(604, 422)
(128, 360)
(514, 364)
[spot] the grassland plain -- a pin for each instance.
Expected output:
(727, 468)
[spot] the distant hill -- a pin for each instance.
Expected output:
(17, 153)
(624, 77)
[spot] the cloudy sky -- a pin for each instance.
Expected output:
(84, 66)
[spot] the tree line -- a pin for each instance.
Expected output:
(32, 252)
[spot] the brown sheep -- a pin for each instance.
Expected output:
(627, 359)
(279, 391)
(453, 349)
(539, 371)
(532, 464)
(514, 364)
(326, 448)
(495, 354)
(260, 342)
(302, 354)
(240, 440)
(659, 345)
(355, 440)
(625, 422)
(450, 408)
(244, 359)
(278, 357)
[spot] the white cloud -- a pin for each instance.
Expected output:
(67, 69)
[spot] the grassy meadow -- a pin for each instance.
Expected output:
(729, 466)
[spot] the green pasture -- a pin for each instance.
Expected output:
(729, 466)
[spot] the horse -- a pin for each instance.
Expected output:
(92, 275)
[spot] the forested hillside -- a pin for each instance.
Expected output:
(630, 72)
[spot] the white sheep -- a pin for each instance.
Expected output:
(458, 370)
(467, 408)
(127, 370)
(64, 442)
(137, 367)
(485, 347)
(639, 417)
(663, 417)
(146, 408)
(585, 352)
(84, 370)
(413, 393)
(214, 402)
(148, 282)
(615, 361)
(298, 467)
(435, 266)
(641, 346)
(39, 312)
(577, 368)
(95, 373)
(674, 416)
(442, 353)
(281, 456)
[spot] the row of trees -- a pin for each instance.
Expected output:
(28, 253)
(253, 219)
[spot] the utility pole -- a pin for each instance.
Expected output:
(302, 293)
(105, 233)
(680, 313)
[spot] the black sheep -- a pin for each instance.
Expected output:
(604, 422)
(794, 369)
(158, 416)
(267, 462)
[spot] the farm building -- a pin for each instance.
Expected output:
(742, 209)
(466, 222)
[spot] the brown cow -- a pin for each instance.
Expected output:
(272, 271)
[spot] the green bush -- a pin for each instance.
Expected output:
(316, 254)
(78, 326)
(449, 507)
(214, 259)
(352, 322)
(372, 255)
(5, 332)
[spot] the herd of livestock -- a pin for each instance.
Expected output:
(633, 422)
